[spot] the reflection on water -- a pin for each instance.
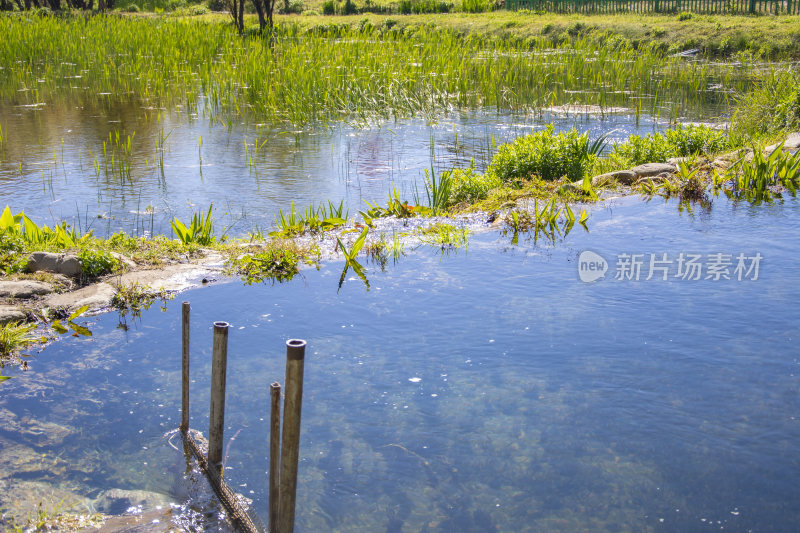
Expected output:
(481, 391)
(55, 165)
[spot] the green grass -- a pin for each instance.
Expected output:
(715, 35)
(330, 72)
(15, 337)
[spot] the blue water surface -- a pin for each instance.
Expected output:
(487, 389)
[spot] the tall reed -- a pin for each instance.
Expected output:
(322, 75)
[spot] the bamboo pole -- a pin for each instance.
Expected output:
(216, 423)
(185, 364)
(274, 455)
(290, 441)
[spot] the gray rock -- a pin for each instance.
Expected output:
(21, 498)
(653, 169)
(118, 501)
(791, 143)
(69, 265)
(24, 289)
(97, 296)
(157, 521)
(33, 432)
(10, 313)
(625, 177)
(726, 160)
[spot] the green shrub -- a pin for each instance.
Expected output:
(96, 263)
(469, 186)
(684, 15)
(349, 8)
(693, 139)
(328, 7)
(476, 6)
(639, 150)
(677, 142)
(295, 7)
(172, 5)
(132, 8)
(545, 154)
(12, 259)
(217, 5)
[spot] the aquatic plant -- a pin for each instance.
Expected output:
(754, 181)
(394, 207)
(160, 144)
(289, 224)
(324, 217)
(60, 237)
(468, 186)
(315, 219)
(305, 76)
(96, 263)
(680, 141)
(350, 257)
(545, 154)
(381, 249)
(117, 155)
(276, 263)
(771, 105)
(438, 191)
(443, 235)
(77, 329)
(200, 231)
(131, 299)
(15, 337)
(545, 220)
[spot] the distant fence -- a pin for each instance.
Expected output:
(741, 7)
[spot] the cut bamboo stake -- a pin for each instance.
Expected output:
(290, 441)
(274, 454)
(185, 361)
(216, 423)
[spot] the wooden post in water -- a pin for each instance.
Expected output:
(216, 424)
(185, 363)
(290, 441)
(274, 455)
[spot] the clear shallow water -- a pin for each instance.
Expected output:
(48, 166)
(480, 391)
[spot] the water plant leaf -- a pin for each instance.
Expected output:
(7, 221)
(78, 312)
(56, 325)
(583, 218)
(80, 330)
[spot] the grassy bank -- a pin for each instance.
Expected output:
(720, 36)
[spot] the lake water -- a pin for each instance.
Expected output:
(48, 166)
(484, 390)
